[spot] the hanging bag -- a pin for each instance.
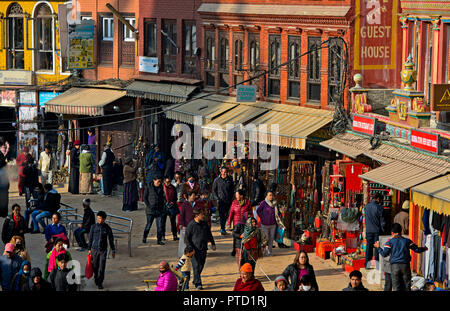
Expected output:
(89, 270)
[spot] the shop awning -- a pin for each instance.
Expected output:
(165, 92)
(208, 108)
(434, 195)
(83, 101)
(399, 175)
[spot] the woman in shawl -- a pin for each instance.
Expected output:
(74, 181)
(52, 261)
(130, 192)
(21, 277)
(253, 243)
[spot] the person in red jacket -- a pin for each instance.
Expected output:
(247, 281)
(21, 163)
(240, 208)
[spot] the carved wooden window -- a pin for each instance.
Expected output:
(14, 41)
(274, 62)
(334, 69)
(294, 66)
(210, 57)
(170, 49)
(127, 55)
(43, 38)
(313, 76)
(253, 51)
(108, 28)
(105, 51)
(238, 57)
(150, 38)
(223, 59)
(190, 46)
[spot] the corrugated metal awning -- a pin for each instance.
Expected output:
(399, 175)
(434, 195)
(83, 101)
(165, 92)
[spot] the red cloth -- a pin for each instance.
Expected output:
(16, 221)
(237, 212)
(252, 244)
(186, 213)
(253, 285)
(89, 270)
(20, 162)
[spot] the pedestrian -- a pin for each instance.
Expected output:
(169, 168)
(50, 205)
(387, 273)
(61, 145)
(206, 205)
(47, 165)
(258, 190)
(178, 184)
(106, 163)
(99, 236)
(299, 268)
(85, 227)
(21, 162)
(74, 179)
(19, 244)
(86, 170)
(31, 174)
(10, 264)
(36, 202)
(55, 228)
(51, 261)
(14, 225)
(375, 223)
(92, 143)
(154, 205)
(171, 209)
(402, 217)
(4, 180)
(36, 283)
(281, 285)
(190, 185)
(185, 265)
(238, 232)
(306, 284)
(399, 249)
(355, 282)
(198, 234)
(117, 173)
(240, 207)
(154, 164)
(186, 216)
(247, 281)
(59, 276)
(253, 242)
(267, 212)
(223, 191)
(21, 277)
(130, 186)
(167, 281)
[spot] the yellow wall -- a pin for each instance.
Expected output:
(27, 7)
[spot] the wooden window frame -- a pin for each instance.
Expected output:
(334, 68)
(154, 44)
(189, 57)
(274, 44)
(210, 56)
(169, 51)
(313, 68)
(224, 54)
(293, 69)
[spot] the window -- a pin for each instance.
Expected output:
(253, 39)
(294, 67)
(150, 39)
(313, 76)
(170, 48)
(128, 35)
(428, 43)
(108, 28)
(43, 34)
(238, 59)
(86, 17)
(210, 57)
(274, 62)
(190, 46)
(334, 69)
(15, 37)
(223, 59)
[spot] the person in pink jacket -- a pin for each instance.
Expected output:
(239, 208)
(167, 281)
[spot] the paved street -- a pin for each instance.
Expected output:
(220, 273)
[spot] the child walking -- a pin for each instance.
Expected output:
(185, 265)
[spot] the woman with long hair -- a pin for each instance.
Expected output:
(299, 268)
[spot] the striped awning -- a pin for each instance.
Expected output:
(434, 195)
(165, 92)
(83, 101)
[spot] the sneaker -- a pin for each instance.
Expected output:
(161, 243)
(233, 253)
(81, 249)
(163, 239)
(199, 287)
(144, 240)
(175, 238)
(100, 286)
(223, 232)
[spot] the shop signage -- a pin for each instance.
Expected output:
(441, 97)
(27, 98)
(425, 141)
(363, 124)
(46, 96)
(7, 98)
(246, 94)
(375, 34)
(13, 77)
(81, 45)
(148, 64)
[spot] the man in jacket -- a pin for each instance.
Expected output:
(14, 225)
(258, 191)
(399, 249)
(375, 224)
(154, 199)
(50, 205)
(106, 163)
(59, 277)
(186, 216)
(10, 264)
(171, 209)
(154, 164)
(47, 165)
(223, 191)
(198, 234)
(31, 174)
(402, 217)
(85, 227)
(99, 236)
(355, 282)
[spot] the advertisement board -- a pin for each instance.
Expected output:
(81, 45)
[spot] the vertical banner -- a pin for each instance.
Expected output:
(81, 45)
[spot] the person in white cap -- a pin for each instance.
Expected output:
(10, 264)
(402, 217)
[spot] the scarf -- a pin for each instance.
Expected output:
(278, 219)
(191, 184)
(16, 221)
(52, 259)
(249, 231)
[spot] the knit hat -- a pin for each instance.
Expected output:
(280, 278)
(76, 142)
(87, 202)
(405, 205)
(246, 267)
(9, 247)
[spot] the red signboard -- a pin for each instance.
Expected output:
(365, 125)
(425, 141)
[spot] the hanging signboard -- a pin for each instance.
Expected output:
(81, 45)
(246, 94)
(16, 77)
(7, 99)
(46, 96)
(27, 98)
(28, 131)
(148, 64)
(425, 141)
(441, 97)
(363, 124)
